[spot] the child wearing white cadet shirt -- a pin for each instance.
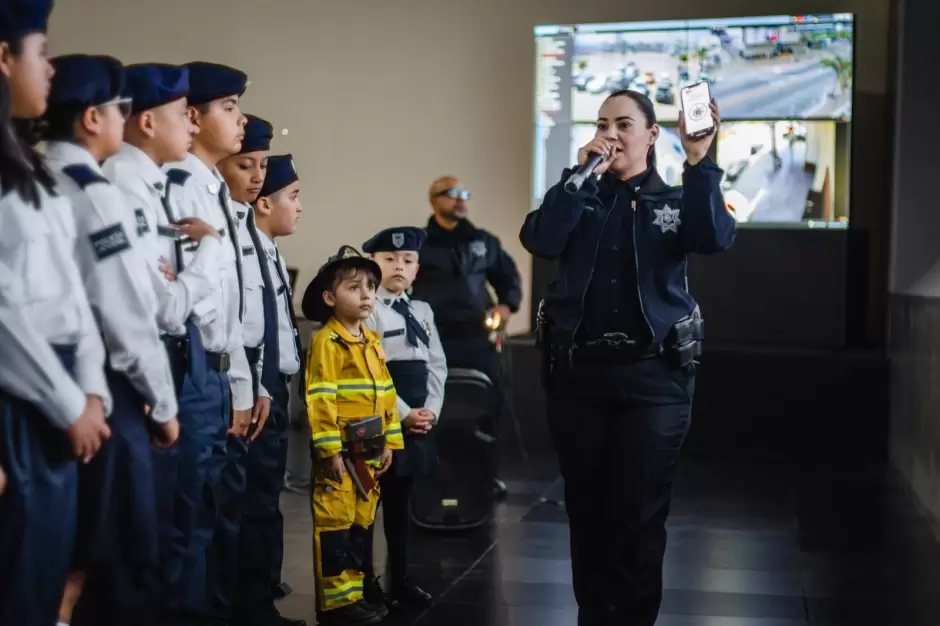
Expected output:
(418, 367)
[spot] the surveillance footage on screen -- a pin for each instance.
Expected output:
(784, 85)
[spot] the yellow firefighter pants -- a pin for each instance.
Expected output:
(341, 525)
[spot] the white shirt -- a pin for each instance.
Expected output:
(253, 320)
(286, 333)
(205, 195)
(143, 184)
(43, 303)
(116, 278)
(391, 325)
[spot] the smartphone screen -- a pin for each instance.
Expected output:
(695, 106)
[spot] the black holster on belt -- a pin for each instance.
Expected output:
(683, 343)
(543, 343)
(177, 350)
(365, 441)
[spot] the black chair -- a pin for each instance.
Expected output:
(459, 494)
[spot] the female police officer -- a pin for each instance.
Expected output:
(619, 333)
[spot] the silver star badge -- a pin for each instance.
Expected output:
(667, 219)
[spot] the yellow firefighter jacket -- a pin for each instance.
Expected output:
(347, 379)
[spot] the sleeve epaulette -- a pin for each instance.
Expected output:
(177, 176)
(83, 175)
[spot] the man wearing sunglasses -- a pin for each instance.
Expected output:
(117, 519)
(459, 262)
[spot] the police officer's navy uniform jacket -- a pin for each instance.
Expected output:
(668, 223)
(455, 269)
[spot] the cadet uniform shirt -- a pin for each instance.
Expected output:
(253, 320)
(204, 194)
(144, 185)
(115, 276)
(43, 303)
(390, 326)
(290, 360)
(347, 379)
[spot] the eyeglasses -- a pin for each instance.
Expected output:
(123, 104)
(455, 194)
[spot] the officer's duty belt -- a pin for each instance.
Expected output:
(609, 351)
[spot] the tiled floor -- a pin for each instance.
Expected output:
(748, 546)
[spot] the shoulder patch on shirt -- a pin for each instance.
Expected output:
(177, 176)
(83, 175)
(142, 225)
(247, 250)
(109, 241)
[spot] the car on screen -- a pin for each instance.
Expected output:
(665, 94)
(639, 85)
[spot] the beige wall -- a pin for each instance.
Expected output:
(382, 96)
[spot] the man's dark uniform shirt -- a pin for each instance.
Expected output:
(456, 265)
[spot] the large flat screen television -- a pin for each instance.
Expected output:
(784, 85)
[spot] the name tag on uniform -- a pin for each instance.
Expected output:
(166, 231)
(109, 241)
(247, 251)
(142, 225)
(393, 333)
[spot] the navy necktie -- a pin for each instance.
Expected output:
(238, 264)
(177, 244)
(271, 367)
(413, 330)
(293, 322)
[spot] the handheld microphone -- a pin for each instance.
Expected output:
(574, 182)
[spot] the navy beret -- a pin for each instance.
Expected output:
(19, 18)
(395, 239)
(258, 135)
(211, 81)
(85, 80)
(154, 84)
(281, 173)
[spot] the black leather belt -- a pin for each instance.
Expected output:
(253, 354)
(219, 361)
(611, 349)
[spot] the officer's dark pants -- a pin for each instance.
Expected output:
(117, 518)
(37, 511)
(198, 460)
(618, 431)
(261, 543)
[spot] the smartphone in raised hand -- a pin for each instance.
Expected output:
(696, 109)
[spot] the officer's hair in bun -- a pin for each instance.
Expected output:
(350, 268)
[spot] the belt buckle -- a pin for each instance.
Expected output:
(614, 340)
(225, 362)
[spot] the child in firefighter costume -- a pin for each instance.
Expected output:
(351, 405)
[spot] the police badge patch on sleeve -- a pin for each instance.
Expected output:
(667, 219)
(109, 241)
